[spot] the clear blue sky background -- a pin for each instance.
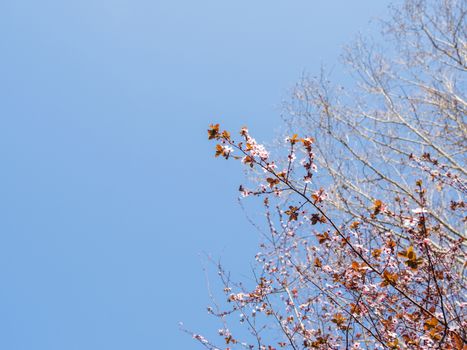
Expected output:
(109, 192)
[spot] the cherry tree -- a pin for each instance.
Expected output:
(364, 246)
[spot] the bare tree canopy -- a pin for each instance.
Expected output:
(403, 120)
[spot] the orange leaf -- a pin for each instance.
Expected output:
(272, 182)
(431, 323)
(389, 278)
(376, 253)
(323, 237)
(213, 131)
(219, 150)
(292, 213)
(294, 139)
(354, 225)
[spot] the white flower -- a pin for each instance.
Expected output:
(292, 157)
(410, 222)
(419, 210)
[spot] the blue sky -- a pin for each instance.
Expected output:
(109, 192)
